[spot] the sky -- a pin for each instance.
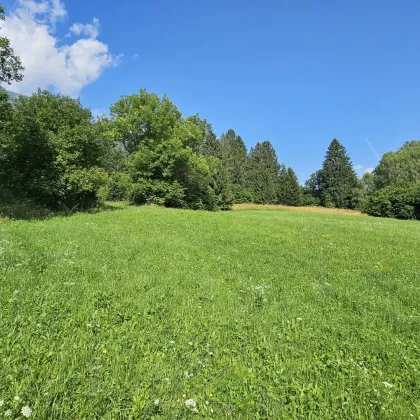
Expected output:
(296, 72)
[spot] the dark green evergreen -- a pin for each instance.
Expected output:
(289, 189)
(263, 173)
(233, 154)
(338, 180)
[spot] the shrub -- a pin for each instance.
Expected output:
(163, 193)
(400, 202)
(118, 187)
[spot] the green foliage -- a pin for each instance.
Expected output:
(146, 191)
(118, 187)
(338, 180)
(402, 166)
(10, 66)
(220, 183)
(233, 154)
(289, 189)
(51, 151)
(398, 201)
(262, 173)
(143, 120)
(253, 314)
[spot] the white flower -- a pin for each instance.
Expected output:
(172, 342)
(191, 404)
(388, 385)
(299, 319)
(16, 398)
(8, 413)
(26, 411)
(157, 401)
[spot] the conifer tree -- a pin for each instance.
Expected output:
(338, 179)
(233, 154)
(263, 173)
(289, 190)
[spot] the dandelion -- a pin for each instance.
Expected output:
(192, 405)
(374, 372)
(104, 351)
(26, 411)
(16, 398)
(388, 385)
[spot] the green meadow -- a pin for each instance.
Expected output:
(154, 313)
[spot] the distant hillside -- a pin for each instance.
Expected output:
(12, 94)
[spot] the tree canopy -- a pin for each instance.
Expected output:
(11, 67)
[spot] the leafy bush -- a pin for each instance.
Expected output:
(146, 191)
(118, 187)
(400, 202)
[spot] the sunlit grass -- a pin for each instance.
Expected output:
(158, 313)
(307, 209)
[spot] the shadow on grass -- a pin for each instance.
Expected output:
(27, 210)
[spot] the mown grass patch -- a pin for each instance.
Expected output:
(159, 313)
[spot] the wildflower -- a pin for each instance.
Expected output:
(172, 342)
(8, 413)
(89, 325)
(374, 372)
(26, 411)
(299, 319)
(191, 404)
(104, 351)
(190, 343)
(388, 385)
(16, 398)
(157, 401)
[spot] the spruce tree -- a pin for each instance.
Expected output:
(338, 179)
(263, 173)
(233, 154)
(289, 190)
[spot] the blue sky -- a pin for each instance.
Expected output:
(297, 73)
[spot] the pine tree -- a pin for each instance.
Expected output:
(338, 179)
(263, 173)
(289, 190)
(233, 154)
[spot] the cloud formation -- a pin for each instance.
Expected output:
(89, 29)
(368, 170)
(358, 167)
(65, 68)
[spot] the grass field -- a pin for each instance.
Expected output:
(155, 313)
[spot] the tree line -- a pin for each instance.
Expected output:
(55, 153)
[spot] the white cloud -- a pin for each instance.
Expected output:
(66, 68)
(89, 29)
(358, 167)
(135, 56)
(368, 170)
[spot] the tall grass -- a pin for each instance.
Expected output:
(158, 313)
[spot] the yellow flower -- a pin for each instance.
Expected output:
(374, 372)
(104, 351)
